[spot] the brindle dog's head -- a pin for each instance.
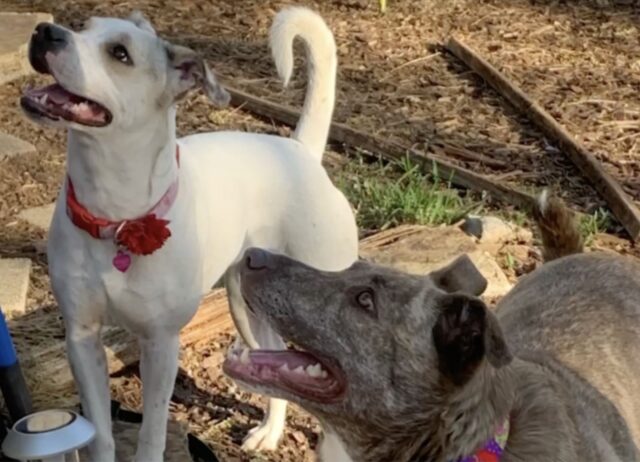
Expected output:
(374, 347)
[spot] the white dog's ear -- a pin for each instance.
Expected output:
(189, 70)
(143, 23)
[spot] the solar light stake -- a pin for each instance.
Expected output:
(60, 458)
(48, 436)
(71, 457)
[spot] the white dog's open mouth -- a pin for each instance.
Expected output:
(55, 103)
(292, 371)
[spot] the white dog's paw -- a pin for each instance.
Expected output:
(264, 437)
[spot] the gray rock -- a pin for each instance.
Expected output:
(497, 231)
(14, 284)
(472, 226)
(10, 146)
(493, 230)
(39, 217)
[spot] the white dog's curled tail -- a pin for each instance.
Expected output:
(313, 126)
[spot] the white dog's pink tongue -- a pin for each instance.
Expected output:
(80, 107)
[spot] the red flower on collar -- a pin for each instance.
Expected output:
(140, 236)
(144, 235)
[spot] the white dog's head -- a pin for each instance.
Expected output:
(114, 73)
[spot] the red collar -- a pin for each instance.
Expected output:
(139, 236)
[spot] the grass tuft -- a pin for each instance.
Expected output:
(387, 195)
(599, 221)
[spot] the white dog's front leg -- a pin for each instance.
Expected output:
(89, 366)
(257, 334)
(159, 367)
(267, 435)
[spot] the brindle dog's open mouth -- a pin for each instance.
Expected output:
(55, 102)
(299, 372)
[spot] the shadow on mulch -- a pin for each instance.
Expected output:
(222, 407)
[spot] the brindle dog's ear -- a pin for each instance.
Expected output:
(188, 70)
(461, 275)
(466, 333)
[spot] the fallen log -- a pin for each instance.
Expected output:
(620, 203)
(386, 149)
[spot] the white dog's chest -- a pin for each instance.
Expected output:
(158, 291)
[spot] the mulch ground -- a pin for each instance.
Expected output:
(577, 58)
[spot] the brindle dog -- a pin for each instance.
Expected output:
(404, 368)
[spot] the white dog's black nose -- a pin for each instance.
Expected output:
(50, 32)
(257, 259)
(46, 38)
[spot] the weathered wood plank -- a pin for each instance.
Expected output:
(389, 150)
(620, 203)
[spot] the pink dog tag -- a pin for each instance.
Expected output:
(122, 261)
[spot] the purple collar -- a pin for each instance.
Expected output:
(493, 449)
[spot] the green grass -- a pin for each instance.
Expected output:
(598, 222)
(510, 262)
(387, 195)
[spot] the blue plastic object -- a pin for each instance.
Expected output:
(14, 389)
(8, 355)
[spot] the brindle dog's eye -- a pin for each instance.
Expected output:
(120, 53)
(365, 300)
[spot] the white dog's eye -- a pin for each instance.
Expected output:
(120, 53)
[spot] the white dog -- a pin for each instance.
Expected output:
(145, 224)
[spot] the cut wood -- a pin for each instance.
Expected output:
(386, 149)
(620, 203)
(48, 368)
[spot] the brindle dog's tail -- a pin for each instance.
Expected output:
(559, 227)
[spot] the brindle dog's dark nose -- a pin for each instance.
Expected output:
(46, 38)
(258, 259)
